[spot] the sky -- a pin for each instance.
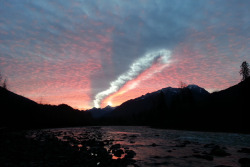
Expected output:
(94, 53)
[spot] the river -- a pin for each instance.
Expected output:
(161, 147)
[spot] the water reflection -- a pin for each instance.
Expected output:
(93, 139)
(155, 147)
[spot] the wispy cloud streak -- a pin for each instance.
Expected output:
(135, 69)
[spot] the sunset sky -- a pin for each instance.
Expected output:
(88, 53)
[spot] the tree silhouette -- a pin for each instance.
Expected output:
(182, 84)
(5, 84)
(244, 71)
(1, 78)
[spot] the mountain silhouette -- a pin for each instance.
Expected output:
(160, 108)
(16, 110)
(100, 112)
(229, 108)
(20, 112)
(165, 97)
(191, 108)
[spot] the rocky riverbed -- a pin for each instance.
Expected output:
(42, 148)
(123, 146)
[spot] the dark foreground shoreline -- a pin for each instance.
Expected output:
(45, 150)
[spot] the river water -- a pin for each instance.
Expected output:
(161, 147)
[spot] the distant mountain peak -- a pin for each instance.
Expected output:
(101, 112)
(163, 97)
(192, 86)
(108, 106)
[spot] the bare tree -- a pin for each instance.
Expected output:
(244, 71)
(1, 78)
(5, 84)
(182, 84)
